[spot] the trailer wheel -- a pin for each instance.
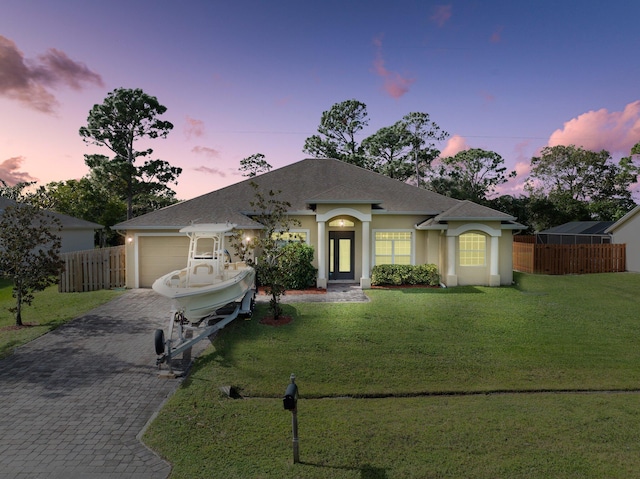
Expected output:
(159, 341)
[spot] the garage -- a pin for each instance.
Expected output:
(159, 255)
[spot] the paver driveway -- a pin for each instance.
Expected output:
(75, 401)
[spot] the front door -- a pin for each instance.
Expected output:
(341, 255)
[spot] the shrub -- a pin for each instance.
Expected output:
(298, 272)
(294, 269)
(401, 274)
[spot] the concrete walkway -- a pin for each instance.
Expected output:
(75, 402)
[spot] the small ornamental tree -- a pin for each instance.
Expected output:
(29, 252)
(272, 214)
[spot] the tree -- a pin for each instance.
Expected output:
(254, 165)
(272, 214)
(125, 117)
(85, 198)
(423, 133)
(15, 192)
(387, 151)
(405, 149)
(472, 174)
(29, 252)
(570, 174)
(337, 133)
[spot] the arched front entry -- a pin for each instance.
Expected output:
(344, 249)
(342, 255)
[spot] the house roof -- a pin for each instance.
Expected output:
(68, 222)
(580, 228)
(623, 220)
(304, 185)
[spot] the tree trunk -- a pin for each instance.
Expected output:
(19, 310)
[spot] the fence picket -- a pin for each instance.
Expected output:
(92, 270)
(568, 259)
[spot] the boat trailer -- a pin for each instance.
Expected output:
(188, 334)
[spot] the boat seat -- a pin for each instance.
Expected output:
(201, 274)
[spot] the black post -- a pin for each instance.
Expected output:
(290, 402)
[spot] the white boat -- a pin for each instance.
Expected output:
(210, 280)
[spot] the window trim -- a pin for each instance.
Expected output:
(412, 240)
(484, 251)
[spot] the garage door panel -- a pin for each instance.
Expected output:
(159, 255)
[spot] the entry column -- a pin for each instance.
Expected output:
(452, 278)
(365, 280)
(322, 261)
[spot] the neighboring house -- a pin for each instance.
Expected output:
(76, 234)
(576, 232)
(354, 218)
(627, 231)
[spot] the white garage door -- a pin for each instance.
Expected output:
(159, 255)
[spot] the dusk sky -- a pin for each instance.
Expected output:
(243, 77)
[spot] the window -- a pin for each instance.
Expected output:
(341, 224)
(291, 236)
(392, 247)
(473, 251)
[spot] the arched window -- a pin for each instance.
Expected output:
(473, 249)
(341, 223)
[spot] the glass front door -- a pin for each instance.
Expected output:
(341, 255)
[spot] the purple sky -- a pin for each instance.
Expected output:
(248, 77)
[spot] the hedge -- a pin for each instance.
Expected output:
(400, 274)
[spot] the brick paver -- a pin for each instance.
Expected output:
(75, 401)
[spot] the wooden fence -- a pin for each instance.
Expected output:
(92, 270)
(568, 259)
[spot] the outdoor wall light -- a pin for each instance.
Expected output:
(130, 239)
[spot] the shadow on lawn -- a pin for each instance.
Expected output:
(366, 471)
(452, 290)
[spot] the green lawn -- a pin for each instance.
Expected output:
(49, 310)
(537, 380)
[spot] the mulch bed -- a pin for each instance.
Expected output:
(292, 292)
(15, 327)
(404, 286)
(269, 321)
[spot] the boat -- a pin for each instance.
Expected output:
(210, 280)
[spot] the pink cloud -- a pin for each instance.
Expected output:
(211, 171)
(454, 145)
(441, 14)
(488, 97)
(193, 128)
(29, 81)
(203, 150)
(496, 36)
(394, 84)
(9, 171)
(616, 131)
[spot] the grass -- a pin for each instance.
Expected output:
(49, 310)
(536, 380)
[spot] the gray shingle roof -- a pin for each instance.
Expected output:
(303, 184)
(68, 222)
(580, 228)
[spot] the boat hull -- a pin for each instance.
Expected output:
(198, 302)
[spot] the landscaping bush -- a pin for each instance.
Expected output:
(294, 269)
(298, 272)
(401, 274)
